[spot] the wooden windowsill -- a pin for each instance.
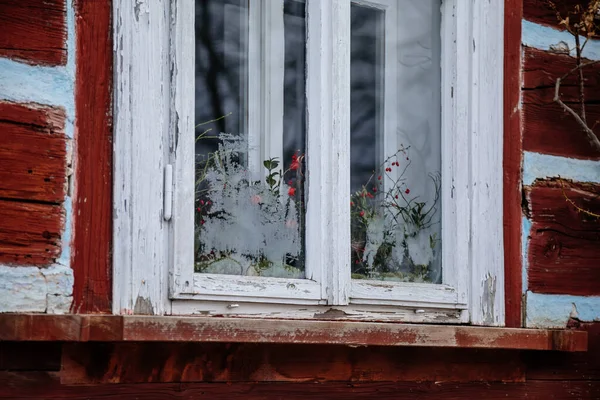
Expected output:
(115, 328)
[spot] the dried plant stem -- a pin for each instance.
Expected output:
(579, 209)
(591, 136)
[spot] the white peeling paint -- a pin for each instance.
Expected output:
(554, 311)
(24, 83)
(542, 37)
(33, 289)
(526, 227)
(536, 165)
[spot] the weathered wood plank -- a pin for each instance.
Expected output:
(512, 162)
(568, 366)
(245, 330)
(39, 327)
(541, 12)
(32, 386)
(542, 68)
(546, 127)
(92, 233)
(33, 151)
(564, 248)
(550, 130)
(95, 363)
(34, 31)
(30, 233)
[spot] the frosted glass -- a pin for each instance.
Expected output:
(248, 222)
(396, 158)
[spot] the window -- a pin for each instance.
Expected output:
(346, 156)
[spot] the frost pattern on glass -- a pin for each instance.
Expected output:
(249, 216)
(396, 159)
(245, 227)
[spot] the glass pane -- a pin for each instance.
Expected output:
(395, 142)
(249, 215)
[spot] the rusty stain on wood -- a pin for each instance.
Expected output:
(34, 31)
(33, 150)
(245, 330)
(564, 248)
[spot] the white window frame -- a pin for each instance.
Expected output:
(153, 115)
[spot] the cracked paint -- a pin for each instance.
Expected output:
(33, 289)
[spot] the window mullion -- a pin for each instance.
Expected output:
(328, 219)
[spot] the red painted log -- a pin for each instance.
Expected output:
(91, 251)
(564, 247)
(512, 162)
(541, 12)
(30, 233)
(33, 152)
(547, 128)
(34, 31)
(542, 68)
(550, 130)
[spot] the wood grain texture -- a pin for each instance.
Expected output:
(92, 233)
(95, 363)
(512, 162)
(30, 233)
(19, 327)
(563, 366)
(32, 386)
(34, 31)
(541, 12)
(546, 127)
(33, 149)
(564, 247)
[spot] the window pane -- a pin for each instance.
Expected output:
(250, 166)
(395, 141)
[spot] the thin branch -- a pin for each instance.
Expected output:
(591, 136)
(578, 50)
(579, 209)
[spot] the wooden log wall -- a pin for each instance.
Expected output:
(55, 118)
(561, 173)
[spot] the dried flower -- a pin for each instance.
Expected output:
(292, 192)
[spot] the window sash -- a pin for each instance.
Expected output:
(328, 215)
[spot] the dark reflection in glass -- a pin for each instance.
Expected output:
(395, 158)
(250, 191)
